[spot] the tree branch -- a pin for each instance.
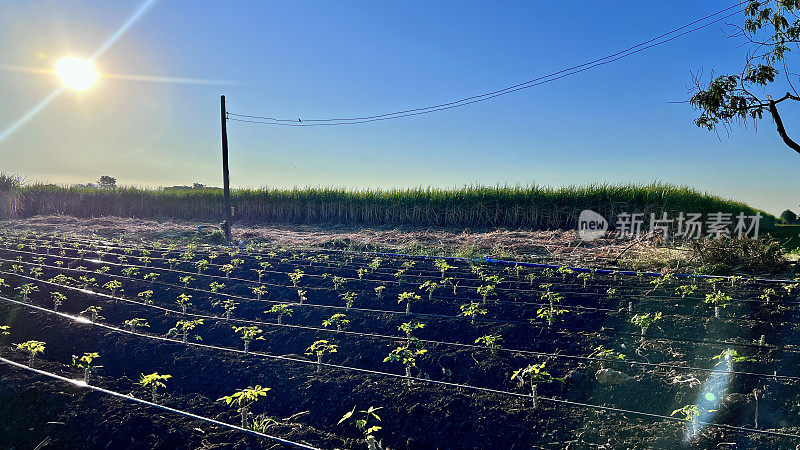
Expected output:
(779, 123)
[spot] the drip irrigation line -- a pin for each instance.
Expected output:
(556, 328)
(774, 376)
(155, 405)
(638, 296)
(404, 377)
(518, 263)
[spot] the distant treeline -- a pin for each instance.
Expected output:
(528, 207)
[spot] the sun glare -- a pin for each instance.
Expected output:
(76, 73)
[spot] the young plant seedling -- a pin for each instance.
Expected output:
(112, 287)
(379, 291)
(337, 320)
(216, 287)
(472, 310)
(430, 287)
(248, 334)
(408, 328)
(552, 311)
(686, 290)
(606, 355)
(186, 280)
(154, 382)
(152, 276)
(93, 312)
(25, 290)
(183, 302)
(349, 298)
(364, 425)
(32, 348)
(133, 324)
(442, 266)
(361, 272)
(244, 399)
(4, 330)
(321, 348)
(36, 272)
(259, 291)
(407, 355)
(58, 299)
(338, 282)
(767, 295)
(301, 296)
(183, 327)
(409, 298)
(130, 272)
(564, 272)
(85, 362)
(227, 269)
(146, 296)
(374, 264)
(295, 277)
(689, 413)
(490, 341)
(533, 375)
(201, 265)
(730, 356)
(644, 321)
(585, 277)
(281, 310)
(719, 299)
(228, 306)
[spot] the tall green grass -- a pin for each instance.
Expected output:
(530, 207)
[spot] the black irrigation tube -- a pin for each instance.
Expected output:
(561, 284)
(638, 297)
(774, 376)
(537, 265)
(155, 405)
(414, 379)
(559, 328)
(578, 308)
(373, 280)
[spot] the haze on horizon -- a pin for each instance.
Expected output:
(614, 124)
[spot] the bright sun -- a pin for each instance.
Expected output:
(76, 73)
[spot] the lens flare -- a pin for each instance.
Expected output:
(76, 73)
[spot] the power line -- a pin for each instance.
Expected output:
(656, 41)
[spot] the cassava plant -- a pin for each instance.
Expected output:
(94, 313)
(349, 298)
(32, 348)
(58, 299)
(533, 375)
(472, 310)
(183, 327)
(365, 426)
(280, 310)
(295, 277)
(154, 382)
(490, 341)
(112, 286)
(644, 321)
(85, 363)
(227, 305)
(137, 322)
(183, 302)
(25, 290)
(409, 298)
(248, 334)
(146, 296)
(321, 348)
(244, 399)
(337, 320)
(429, 286)
(719, 299)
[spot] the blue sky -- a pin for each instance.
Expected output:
(336, 58)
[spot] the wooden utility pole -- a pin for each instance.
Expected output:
(226, 225)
